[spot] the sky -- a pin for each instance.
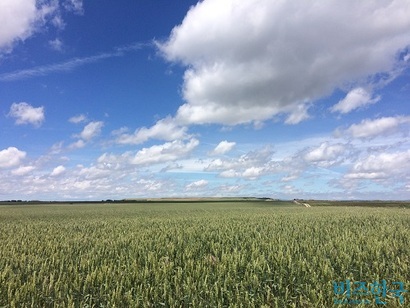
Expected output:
(143, 99)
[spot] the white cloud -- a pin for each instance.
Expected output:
(56, 44)
(112, 161)
(381, 166)
(23, 18)
(326, 154)
(27, 114)
(11, 157)
(253, 172)
(373, 128)
(22, 170)
(166, 129)
(95, 172)
(201, 184)
(251, 60)
(250, 165)
(78, 119)
(91, 130)
(166, 152)
(230, 173)
(58, 170)
(356, 98)
(223, 147)
(77, 145)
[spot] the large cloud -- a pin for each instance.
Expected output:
(381, 166)
(251, 60)
(11, 157)
(326, 155)
(21, 18)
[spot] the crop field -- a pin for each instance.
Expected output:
(202, 254)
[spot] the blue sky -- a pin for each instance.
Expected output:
(132, 99)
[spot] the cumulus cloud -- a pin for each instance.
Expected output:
(58, 170)
(165, 129)
(253, 172)
(23, 18)
(251, 60)
(326, 154)
(27, 114)
(250, 165)
(381, 166)
(169, 151)
(11, 157)
(368, 128)
(91, 130)
(223, 147)
(356, 98)
(201, 184)
(19, 18)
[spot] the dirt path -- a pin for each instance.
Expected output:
(304, 204)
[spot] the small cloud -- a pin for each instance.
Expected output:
(58, 22)
(355, 99)
(58, 170)
(56, 44)
(368, 129)
(326, 154)
(75, 6)
(223, 147)
(298, 114)
(57, 148)
(197, 185)
(167, 152)
(253, 172)
(120, 131)
(165, 129)
(27, 114)
(91, 130)
(78, 119)
(77, 145)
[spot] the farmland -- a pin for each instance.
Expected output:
(197, 254)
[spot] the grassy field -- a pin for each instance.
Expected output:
(204, 254)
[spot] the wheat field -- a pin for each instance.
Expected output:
(197, 254)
